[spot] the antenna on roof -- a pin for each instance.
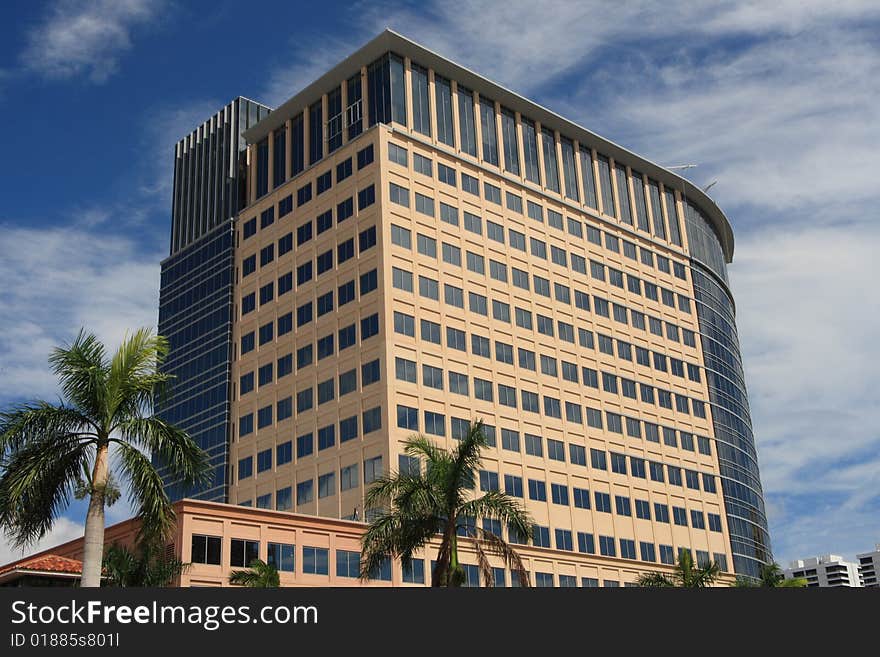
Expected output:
(709, 186)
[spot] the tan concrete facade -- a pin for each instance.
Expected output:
(481, 258)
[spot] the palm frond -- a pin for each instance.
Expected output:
(33, 421)
(493, 543)
(259, 574)
(466, 457)
(394, 534)
(422, 446)
(243, 577)
(36, 485)
(656, 581)
(500, 506)
(147, 493)
(483, 565)
(174, 447)
(82, 370)
(133, 376)
(120, 566)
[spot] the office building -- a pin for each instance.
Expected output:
(829, 570)
(869, 567)
(417, 247)
(196, 289)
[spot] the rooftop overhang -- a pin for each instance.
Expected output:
(389, 40)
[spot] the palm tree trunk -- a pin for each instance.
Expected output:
(453, 560)
(93, 551)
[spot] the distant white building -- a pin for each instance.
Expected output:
(869, 568)
(829, 570)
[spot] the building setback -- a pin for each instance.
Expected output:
(416, 247)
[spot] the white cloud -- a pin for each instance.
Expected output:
(59, 279)
(63, 530)
(809, 314)
(86, 37)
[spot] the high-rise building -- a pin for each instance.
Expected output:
(196, 289)
(418, 247)
(829, 570)
(869, 567)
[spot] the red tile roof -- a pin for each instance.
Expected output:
(50, 563)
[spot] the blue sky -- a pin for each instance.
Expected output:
(779, 102)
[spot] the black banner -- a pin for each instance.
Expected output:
(224, 620)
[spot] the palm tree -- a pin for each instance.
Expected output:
(146, 565)
(260, 575)
(45, 448)
(687, 575)
(771, 577)
(414, 506)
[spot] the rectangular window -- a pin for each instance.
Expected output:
(404, 324)
(466, 126)
(508, 136)
(423, 165)
(672, 216)
(402, 280)
(569, 170)
(343, 170)
(297, 141)
(316, 132)
(364, 157)
(559, 494)
(348, 563)
(446, 174)
(401, 236)
(641, 200)
(243, 552)
(510, 440)
(488, 133)
(623, 194)
(443, 108)
(551, 166)
(372, 421)
(470, 184)
(492, 193)
(324, 182)
(537, 490)
(435, 423)
(366, 197)
(262, 167)
(408, 418)
(316, 561)
(420, 107)
(605, 185)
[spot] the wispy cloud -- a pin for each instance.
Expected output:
(312, 57)
(58, 280)
(85, 37)
(780, 103)
(63, 530)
